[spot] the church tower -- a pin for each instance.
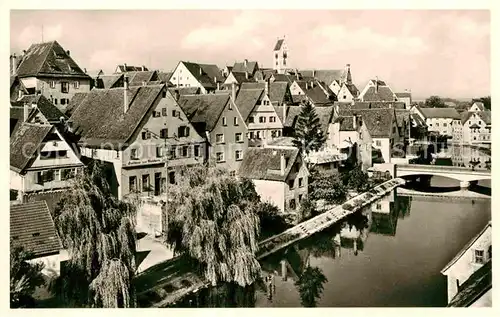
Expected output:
(280, 56)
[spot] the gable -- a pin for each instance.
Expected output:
(51, 144)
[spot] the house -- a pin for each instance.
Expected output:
(32, 228)
(17, 89)
(469, 273)
(264, 74)
(333, 78)
(164, 77)
(477, 107)
(383, 128)
(348, 92)
(218, 118)
(438, 120)
(277, 92)
(476, 127)
(181, 91)
(312, 91)
(121, 69)
(142, 134)
(49, 69)
(40, 110)
(377, 90)
(405, 97)
(237, 78)
(206, 76)
(139, 78)
(40, 160)
(108, 81)
(280, 56)
(279, 174)
(245, 67)
(403, 121)
(226, 71)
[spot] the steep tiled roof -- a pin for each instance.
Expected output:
(241, 77)
(277, 47)
(206, 74)
(112, 125)
(130, 68)
(204, 109)
(46, 107)
(264, 74)
(480, 105)
(284, 78)
(317, 96)
(24, 143)
(383, 93)
(49, 59)
(264, 163)
(324, 114)
(240, 67)
(75, 102)
(52, 198)
(474, 287)
(402, 116)
(277, 90)
(387, 104)
(486, 116)
(108, 81)
(164, 77)
(352, 89)
(346, 123)
(377, 121)
(440, 113)
(138, 78)
(185, 90)
(417, 120)
(16, 118)
(325, 75)
(32, 227)
(281, 141)
(247, 99)
(403, 94)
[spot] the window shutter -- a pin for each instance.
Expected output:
(189, 151)
(187, 131)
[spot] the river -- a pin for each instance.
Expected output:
(402, 244)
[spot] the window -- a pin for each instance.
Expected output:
(171, 177)
(300, 182)
(55, 101)
(132, 183)
(48, 155)
(238, 137)
(379, 206)
(156, 114)
(164, 133)
(272, 119)
(94, 153)
(290, 183)
(220, 157)
(345, 97)
(145, 182)
(64, 87)
(174, 113)
(164, 112)
(230, 106)
(262, 119)
(185, 150)
(52, 84)
(479, 256)
(76, 84)
(133, 154)
(117, 154)
(224, 122)
(276, 56)
(159, 151)
(235, 121)
(251, 119)
(196, 150)
(57, 175)
(146, 135)
(257, 135)
(63, 101)
(273, 134)
(300, 198)
(183, 131)
(378, 143)
(292, 204)
(232, 173)
(66, 174)
(251, 135)
(219, 138)
(445, 124)
(239, 155)
(172, 152)
(39, 178)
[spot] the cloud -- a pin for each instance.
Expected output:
(223, 36)
(33, 34)
(338, 37)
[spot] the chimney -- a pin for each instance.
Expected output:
(26, 111)
(233, 91)
(266, 88)
(143, 68)
(348, 77)
(85, 71)
(307, 86)
(218, 86)
(124, 67)
(67, 53)
(19, 94)
(13, 64)
(354, 121)
(297, 74)
(314, 72)
(246, 74)
(284, 112)
(245, 63)
(125, 94)
(201, 71)
(376, 84)
(282, 164)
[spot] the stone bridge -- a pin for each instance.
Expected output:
(462, 174)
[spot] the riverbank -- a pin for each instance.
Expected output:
(459, 194)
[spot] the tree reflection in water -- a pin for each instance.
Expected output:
(310, 286)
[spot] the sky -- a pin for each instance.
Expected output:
(444, 53)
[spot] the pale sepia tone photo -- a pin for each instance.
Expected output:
(250, 158)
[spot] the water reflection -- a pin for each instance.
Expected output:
(466, 156)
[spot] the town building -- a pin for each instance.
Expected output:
(122, 69)
(333, 78)
(17, 89)
(237, 78)
(348, 93)
(477, 107)
(143, 135)
(476, 128)
(277, 92)
(108, 81)
(279, 174)
(405, 97)
(218, 119)
(32, 228)
(49, 69)
(40, 160)
(248, 67)
(312, 91)
(40, 110)
(438, 120)
(469, 273)
(280, 56)
(377, 90)
(206, 76)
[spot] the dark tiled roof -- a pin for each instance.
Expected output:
(346, 123)
(240, 67)
(206, 74)
(417, 120)
(402, 117)
(129, 68)
(32, 227)
(299, 99)
(138, 78)
(480, 105)
(383, 93)
(264, 163)
(292, 113)
(440, 113)
(277, 92)
(476, 286)
(485, 115)
(377, 121)
(75, 102)
(241, 77)
(112, 125)
(247, 99)
(164, 77)
(16, 118)
(264, 74)
(284, 78)
(352, 89)
(403, 94)
(24, 143)
(325, 75)
(49, 59)
(46, 107)
(317, 96)
(278, 44)
(109, 81)
(205, 109)
(52, 198)
(185, 90)
(387, 104)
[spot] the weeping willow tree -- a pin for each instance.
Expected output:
(213, 222)
(98, 231)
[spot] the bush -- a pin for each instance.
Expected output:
(271, 220)
(328, 187)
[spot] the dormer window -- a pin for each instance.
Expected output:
(284, 55)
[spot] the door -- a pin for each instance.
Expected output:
(157, 184)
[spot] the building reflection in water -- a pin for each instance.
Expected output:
(465, 156)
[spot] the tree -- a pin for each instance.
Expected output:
(328, 187)
(98, 231)
(357, 179)
(213, 221)
(434, 102)
(310, 285)
(25, 277)
(271, 221)
(307, 209)
(308, 134)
